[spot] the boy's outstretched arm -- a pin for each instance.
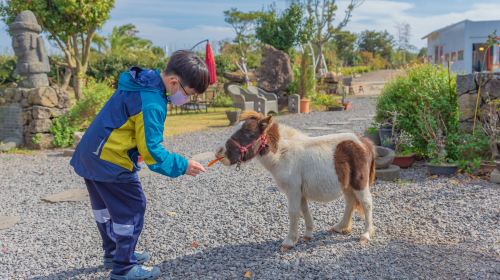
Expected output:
(149, 136)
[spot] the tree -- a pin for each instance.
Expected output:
(321, 14)
(403, 40)
(243, 25)
(123, 41)
(71, 24)
(344, 44)
(283, 31)
(378, 43)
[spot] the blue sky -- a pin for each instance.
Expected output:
(179, 24)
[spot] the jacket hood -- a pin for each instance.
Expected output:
(138, 79)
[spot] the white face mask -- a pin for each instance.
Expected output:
(178, 98)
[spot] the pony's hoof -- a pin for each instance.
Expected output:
(338, 229)
(364, 239)
(285, 248)
(307, 238)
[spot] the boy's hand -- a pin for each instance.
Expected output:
(194, 168)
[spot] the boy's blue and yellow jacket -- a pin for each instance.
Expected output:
(129, 124)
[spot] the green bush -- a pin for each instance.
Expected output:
(349, 71)
(107, 68)
(424, 87)
(223, 100)
(7, 66)
(79, 117)
(469, 149)
(326, 100)
(62, 130)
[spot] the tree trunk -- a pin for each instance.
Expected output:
(66, 78)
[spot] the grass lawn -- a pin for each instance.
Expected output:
(190, 122)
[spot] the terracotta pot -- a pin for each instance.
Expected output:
(348, 105)
(404, 161)
(304, 105)
(442, 169)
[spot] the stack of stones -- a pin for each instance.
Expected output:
(38, 107)
(467, 88)
(27, 111)
(386, 171)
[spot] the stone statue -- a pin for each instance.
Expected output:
(32, 59)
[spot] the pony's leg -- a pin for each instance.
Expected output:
(307, 218)
(345, 225)
(294, 197)
(365, 198)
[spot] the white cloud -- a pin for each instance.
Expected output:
(384, 15)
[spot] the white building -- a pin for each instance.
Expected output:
(463, 45)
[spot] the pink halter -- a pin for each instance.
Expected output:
(244, 149)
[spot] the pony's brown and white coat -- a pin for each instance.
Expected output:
(310, 168)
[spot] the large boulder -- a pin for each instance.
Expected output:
(466, 106)
(491, 89)
(275, 73)
(44, 96)
(465, 83)
(40, 125)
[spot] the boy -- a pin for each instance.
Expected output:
(131, 124)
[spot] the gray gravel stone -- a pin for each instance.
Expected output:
(432, 228)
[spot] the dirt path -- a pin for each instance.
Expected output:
(372, 83)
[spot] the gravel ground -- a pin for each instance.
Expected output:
(229, 224)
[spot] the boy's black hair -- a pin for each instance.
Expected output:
(191, 69)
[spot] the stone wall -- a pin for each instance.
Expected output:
(31, 121)
(467, 88)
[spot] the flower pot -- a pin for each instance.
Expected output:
(347, 105)
(304, 105)
(233, 116)
(386, 133)
(335, 108)
(442, 169)
(404, 161)
(373, 136)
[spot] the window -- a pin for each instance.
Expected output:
(441, 55)
(436, 54)
(453, 56)
(460, 55)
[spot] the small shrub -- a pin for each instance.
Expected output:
(424, 87)
(223, 100)
(326, 100)
(7, 66)
(62, 130)
(79, 117)
(469, 149)
(36, 139)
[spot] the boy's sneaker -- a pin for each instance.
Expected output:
(142, 257)
(138, 272)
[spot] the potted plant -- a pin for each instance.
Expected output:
(405, 157)
(346, 104)
(387, 131)
(372, 133)
(434, 130)
(307, 82)
(233, 115)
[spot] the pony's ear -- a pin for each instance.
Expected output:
(265, 123)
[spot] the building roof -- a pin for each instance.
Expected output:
(457, 23)
(443, 28)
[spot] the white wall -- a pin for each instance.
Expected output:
(477, 32)
(458, 37)
(453, 40)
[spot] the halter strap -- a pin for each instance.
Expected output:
(244, 149)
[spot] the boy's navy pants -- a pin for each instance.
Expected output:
(119, 212)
